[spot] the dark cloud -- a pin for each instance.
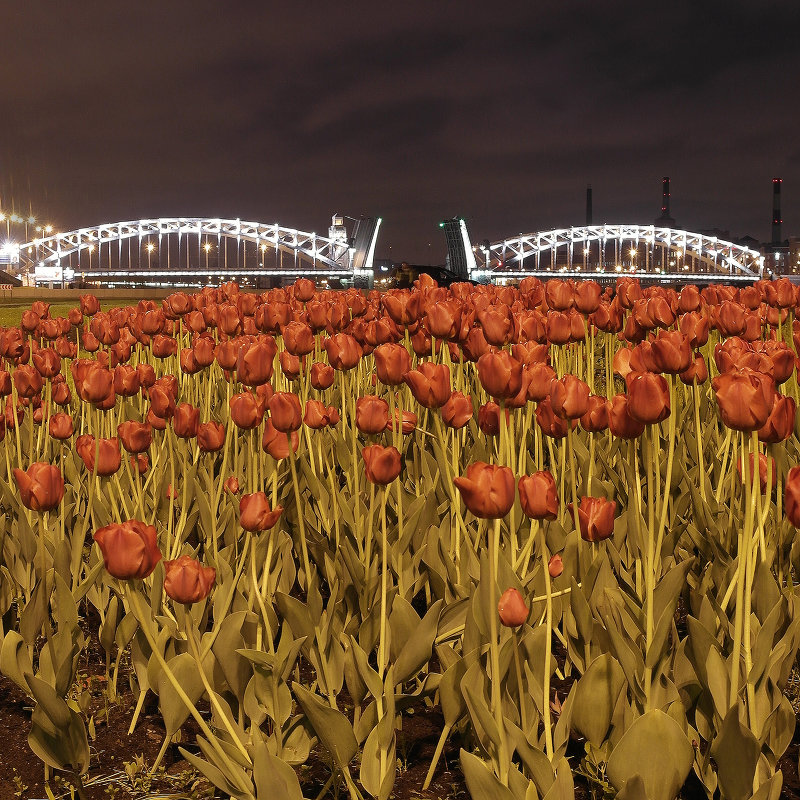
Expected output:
(416, 111)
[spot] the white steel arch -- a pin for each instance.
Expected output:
(333, 256)
(602, 248)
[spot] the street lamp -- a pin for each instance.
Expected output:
(207, 247)
(150, 248)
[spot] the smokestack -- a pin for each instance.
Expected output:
(665, 198)
(776, 211)
(589, 204)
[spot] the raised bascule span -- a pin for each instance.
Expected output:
(200, 250)
(652, 253)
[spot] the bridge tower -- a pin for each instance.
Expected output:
(460, 258)
(665, 220)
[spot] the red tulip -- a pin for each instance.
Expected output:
(745, 399)
(276, 443)
(457, 411)
(90, 305)
(764, 464)
(254, 364)
(232, 485)
(569, 397)
(648, 397)
(130, 549)
(317, 416)
(780, 423)
(322, 376)
(136, 437)
(555, 566)
(596, 417)
(107, 452)
(41, 487)
(500, 374)
(285, 412)
(792, 496)
(392, 362)
(595, 518)
(255, 513)
(186, 580)
(430, 384)
(61, 426)
(246, 411)
(553, 426)
(372, 414)
(28, 381)
(382, 464)
(488, 491)
(344, 352)
(210, 436)
(697, 371)
(540, 379)
(538, 495)
(620, 422)
(511, 608)
(298, 338)
(405, 421)
(672, 352)
(186, 421)
(140, 462)
(47, 362)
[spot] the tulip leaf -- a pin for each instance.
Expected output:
(736, 752)
(15, 660)
(274, 779)
(596, 696)
(481, 781)
(68, 747)
(173, 709)
(330, 726)
(641, 751)
(417, 650)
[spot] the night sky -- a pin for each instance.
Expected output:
(413, 111)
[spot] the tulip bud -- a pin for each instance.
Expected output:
(372, 414)
(488, 491)
(246, 411)
(255, 513)
(538, 495)
(792, 496)
(648, 397)
(136, 437)
(511, 608)
(392, 362)
(381, 464)
(285, 412)
(457, 411)
(232, 485)
(500, 374)
(210, 436)
(569, 397)
(322, 376)
(595, 518)
(61, 426)
(745, 399)
(430, 384)
(186, 421)
(186, 580)
(130, 549)
(555, 566)
(41, 486)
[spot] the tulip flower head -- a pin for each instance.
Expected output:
(41, 486)
(512, 609)
(381, 464)
(595, 518)
(186, 580)
(488, 491)
(255, 513)
(538, 495)
(130, 549)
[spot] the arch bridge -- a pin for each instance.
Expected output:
(196, 251)
(598, 252)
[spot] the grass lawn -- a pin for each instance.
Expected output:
(11, 310)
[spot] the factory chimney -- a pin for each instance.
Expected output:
(665, 220)
(776, 210)
(589, 204)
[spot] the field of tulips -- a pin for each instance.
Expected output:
(560, 519)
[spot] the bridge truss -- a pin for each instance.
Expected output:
(191, 251)
(594, 251)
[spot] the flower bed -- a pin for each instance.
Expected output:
(556, 520)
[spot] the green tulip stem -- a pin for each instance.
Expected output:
(668, 477)
(502, 760)
(254, 590)
(436, 756)
(755, 498)
(300, 518)
(725, 448)
(133, 600)
(701, 471)
(649, 436)
(382, 641)
(523, 713)
(548, 651)
(212, 695)
(741, 626)
(219, 615)
(171, 498)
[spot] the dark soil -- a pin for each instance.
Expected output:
(22, 774)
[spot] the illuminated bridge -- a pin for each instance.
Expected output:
(603, 252)
(194, 251)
